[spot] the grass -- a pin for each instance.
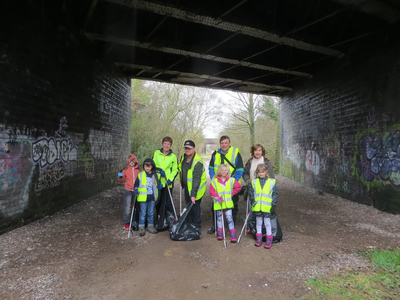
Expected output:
(382, 281)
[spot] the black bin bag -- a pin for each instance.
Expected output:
(183, 229)
(164, 217)
(275, 228)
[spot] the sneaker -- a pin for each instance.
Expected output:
(126, 225)
(151, 229)
(142, 232)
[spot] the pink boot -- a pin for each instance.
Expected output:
(269, 242)
(233, 236)
(258, 240)
(220, 235)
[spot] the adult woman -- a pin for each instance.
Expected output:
(167, 161)
(257, 157)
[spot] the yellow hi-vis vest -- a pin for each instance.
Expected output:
(225, 193)
(230, 155)
(263, 196)
(189, 177)
(142, 195)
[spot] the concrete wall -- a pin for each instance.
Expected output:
(340, 133)
(64, 118)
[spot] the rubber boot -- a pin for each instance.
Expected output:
(151, 229)
(211, 230)
(220, 234)
(269, 242)
(141, 231)
(233, 236)
(258, 240)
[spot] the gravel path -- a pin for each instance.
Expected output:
(83, 252)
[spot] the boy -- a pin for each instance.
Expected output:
(129, 175)
(147, 185)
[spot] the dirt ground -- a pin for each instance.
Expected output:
(83, 252)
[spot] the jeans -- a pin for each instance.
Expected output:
(149, 208)
(127, 204)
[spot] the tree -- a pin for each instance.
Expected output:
(160, 109)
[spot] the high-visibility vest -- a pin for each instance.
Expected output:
(168, 163)
(142, 195)
(224, 192)
(231, 155)
(189, 176)
(263, 196)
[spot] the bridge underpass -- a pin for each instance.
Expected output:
(65, 89)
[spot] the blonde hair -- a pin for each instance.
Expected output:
(261, 168)
(219, 171)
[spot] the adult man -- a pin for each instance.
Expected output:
(167, 161)
(230, 156)
(193, 180)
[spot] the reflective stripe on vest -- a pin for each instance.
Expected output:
(263, 196)
(225, 193)
(189, 177)
(231, 155)
(142, 195)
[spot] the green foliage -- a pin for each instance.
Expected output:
(159, 110)
(383, 282)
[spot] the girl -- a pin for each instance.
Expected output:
(263, 196)
(222, 188)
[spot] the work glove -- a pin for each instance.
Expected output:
(169, 182)
(159, 186)
(120, 174)
(135, 191)
(220, 199)
(162, 173)
(273, 210)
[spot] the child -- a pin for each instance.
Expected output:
(129, 175)
(263, 196)
(222, 188)
(147, 185)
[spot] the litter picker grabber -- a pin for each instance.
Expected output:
(172, 202)
(244, 226)
(245, 223)
(180, 199)
(133, 209)
(223, 226)
(247, 211)
(132, 159)
(215, 222)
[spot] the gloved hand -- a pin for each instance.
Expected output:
(220, 199)
(135, 191)
(162, 173)
(272, 209)
(159, 186)
(120, 174)
(169, 182)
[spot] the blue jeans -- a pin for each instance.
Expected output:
(127, 204)
(149, 208)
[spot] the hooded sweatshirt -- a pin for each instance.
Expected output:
(130, 174)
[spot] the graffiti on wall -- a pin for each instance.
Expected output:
(101, 144)
(378, 156)
(16, 170)
(47, 151)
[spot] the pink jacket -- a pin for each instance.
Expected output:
(236, 187)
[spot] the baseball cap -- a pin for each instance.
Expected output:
(189, 144)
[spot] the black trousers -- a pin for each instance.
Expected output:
(195, 212)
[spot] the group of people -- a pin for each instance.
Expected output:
(226, 171)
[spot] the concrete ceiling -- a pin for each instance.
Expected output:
(258, 46)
